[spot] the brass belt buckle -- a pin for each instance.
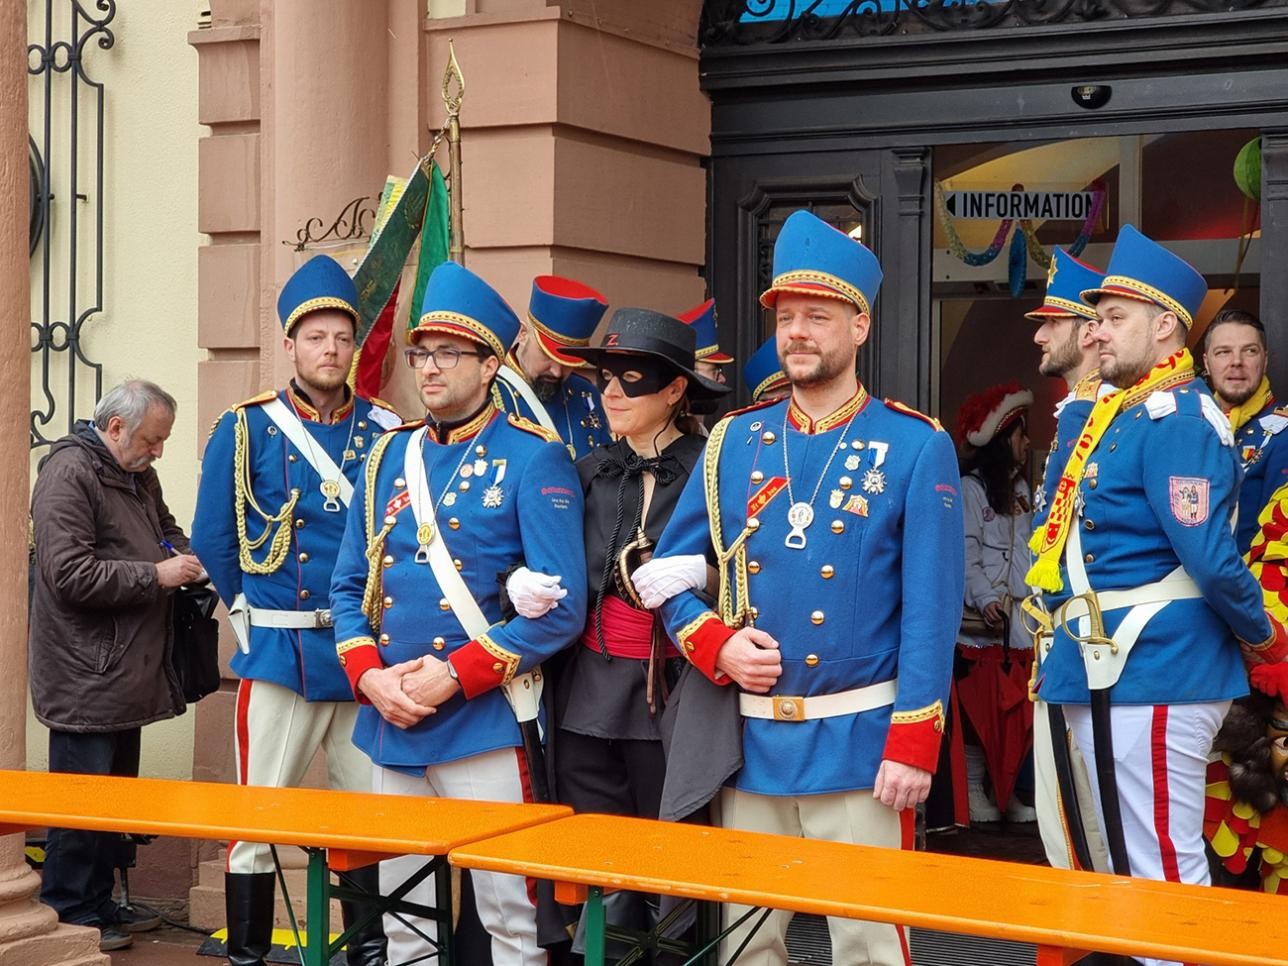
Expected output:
(788, 707)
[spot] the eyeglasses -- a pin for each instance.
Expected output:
(445, 358)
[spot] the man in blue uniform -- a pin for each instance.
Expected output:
(1065, 335)
(843, 681)
(1150, 598)
(446, 508)
(1235, 357)
(277, 477)
(710, 360)
(763, 374)
(541, 382)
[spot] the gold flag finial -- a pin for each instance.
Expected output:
(453, 95)
(452, 77)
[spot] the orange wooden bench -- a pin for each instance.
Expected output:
(339, 830)
(1066, 914)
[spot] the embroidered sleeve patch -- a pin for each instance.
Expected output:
(1188, 496)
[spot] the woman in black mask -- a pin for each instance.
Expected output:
(609, 701)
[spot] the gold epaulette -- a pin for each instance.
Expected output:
(536, 429)
(752, 408)
(915, 414)
(268, 395)
(215, 424)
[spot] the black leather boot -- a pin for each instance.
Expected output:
(248, 907)
(368, 946)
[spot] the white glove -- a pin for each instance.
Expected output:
(663, 577)
(534, 594)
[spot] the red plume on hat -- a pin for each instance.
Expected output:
(986, 414)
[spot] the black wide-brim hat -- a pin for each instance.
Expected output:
(643, 332)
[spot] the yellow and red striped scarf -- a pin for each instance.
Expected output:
(1048, 540)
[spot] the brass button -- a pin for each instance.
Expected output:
(457, 564)
(1090, 558)
(454, 523)
(753, 567)
(755, 613)
(688, 646)
(753, 524)
(384, 640)
(816, 617)
(390, 520)
(362, 424)
(1092, 484)
(389, 560)
(290, 458)
(439, 643)
(757, 476)
(498, 667)
(811, 660)
(845, 483)
(827, 571)
(443, 604)
(299, 524)
(303, 558)
(388, 602)
(1089, 524)
(838, 526)
(768, 437)
(465, 485)
(480, 450)
(400, 482)
(304, 594)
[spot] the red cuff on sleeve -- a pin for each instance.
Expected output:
(1270, 651)
(482, 665)
(357, 657)
(914, 737)
(700, 642)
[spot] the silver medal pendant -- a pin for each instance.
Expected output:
(330, 495)
(799, 516)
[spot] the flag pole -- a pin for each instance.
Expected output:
(453, 95)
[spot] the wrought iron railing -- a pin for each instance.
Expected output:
(777, 21)
(65, 233)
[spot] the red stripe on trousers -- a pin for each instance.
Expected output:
(525, 783)
(1162, 804)
(241, 734)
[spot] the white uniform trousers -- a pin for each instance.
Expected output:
(854, 817)
(276, 733)
(1160, 760)
(1051, 819)
(506, 903)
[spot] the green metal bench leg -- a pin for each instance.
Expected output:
(317, 951)
(594, 913)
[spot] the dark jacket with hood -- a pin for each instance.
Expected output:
(100, 631)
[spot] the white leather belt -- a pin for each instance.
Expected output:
(785, 707)
(1177, 587)
(293, 619)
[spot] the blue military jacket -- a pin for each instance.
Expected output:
(576, 411)
(875, 594)
(1157, 493)
(1263, 449)
(302, 660)
(507, 495)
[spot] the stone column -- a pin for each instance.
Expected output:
(29, 932)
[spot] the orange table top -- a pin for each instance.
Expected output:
(1005, 900)
(358, 821)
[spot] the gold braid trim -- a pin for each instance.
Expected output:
(508, 659)
(374, 589)
(280, 543)
(932, 712)
(734, 601)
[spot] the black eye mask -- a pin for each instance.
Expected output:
(647, 376)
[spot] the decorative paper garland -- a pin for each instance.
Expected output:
(1023, 243)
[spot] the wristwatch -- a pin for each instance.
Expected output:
(451, 669)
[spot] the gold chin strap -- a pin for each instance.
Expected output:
(280, 543)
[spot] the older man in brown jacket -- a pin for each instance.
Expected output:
(108, 556)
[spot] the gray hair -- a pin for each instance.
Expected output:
(130, 401)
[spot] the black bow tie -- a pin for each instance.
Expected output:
(625, 462)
